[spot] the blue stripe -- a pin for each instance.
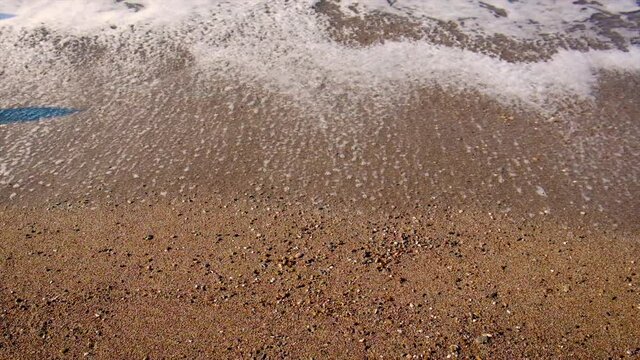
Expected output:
(32, 114)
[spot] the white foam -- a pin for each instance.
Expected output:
(568, 73)
(285, 46)
(524, 18)
(87, 15)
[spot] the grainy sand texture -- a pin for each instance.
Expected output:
(319, 179)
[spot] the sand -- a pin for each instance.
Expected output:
(257, 278)
(240, 267)
(184, 215)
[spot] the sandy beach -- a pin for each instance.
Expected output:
(257, 278)
(384, 189)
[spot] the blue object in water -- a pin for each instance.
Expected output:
(32, 114)
(6, 16)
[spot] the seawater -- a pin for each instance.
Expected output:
(287, 45)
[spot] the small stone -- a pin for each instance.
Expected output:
(483, 339)
(633, 352)
(149, 237)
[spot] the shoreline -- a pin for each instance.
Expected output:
(459, 149)
(346, 183)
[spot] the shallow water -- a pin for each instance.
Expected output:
(324, 99)
(536, 54)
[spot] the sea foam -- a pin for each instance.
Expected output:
(286, 45)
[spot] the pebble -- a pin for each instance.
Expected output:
(483, 339)
(149, 237)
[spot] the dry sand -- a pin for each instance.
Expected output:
(265, 279)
